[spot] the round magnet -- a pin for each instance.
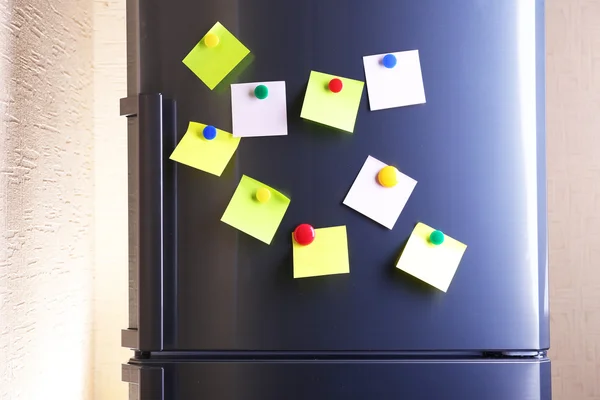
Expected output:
(388, 176)
(211, 40)
(263, 195)
(336, 85)
(304, 234)
(436, 237)
(389, 61)
(209, 132)
(261, 92)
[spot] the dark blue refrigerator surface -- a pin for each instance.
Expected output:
(215, 313)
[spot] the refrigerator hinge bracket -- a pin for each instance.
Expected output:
(146, 383)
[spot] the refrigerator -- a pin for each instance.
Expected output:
(217, 314)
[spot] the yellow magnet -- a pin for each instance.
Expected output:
(211, 40)
(263, 195)
(388, 176)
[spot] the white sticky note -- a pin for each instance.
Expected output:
(399, 86)
(255, 117)
(381, 204)
(433, 264)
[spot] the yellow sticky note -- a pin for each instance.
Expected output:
(211, 156)
(326, 255)
(435, 265)
(333, 109)
(213, 62)
(259, 219)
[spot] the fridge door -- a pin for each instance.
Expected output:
(348, 380)
(476, 149)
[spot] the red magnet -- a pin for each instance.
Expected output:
(304, 234)
(336, 85)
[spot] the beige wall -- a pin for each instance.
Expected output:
(63, 183)
(110, 195)
(573, 98)
(46, 199)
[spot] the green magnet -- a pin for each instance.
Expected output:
(261, 92)
(436, 237)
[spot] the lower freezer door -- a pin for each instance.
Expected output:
(347, 380)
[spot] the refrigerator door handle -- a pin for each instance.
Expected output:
(151, 137)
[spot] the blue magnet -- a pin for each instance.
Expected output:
(389, 61)
(209, 132)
